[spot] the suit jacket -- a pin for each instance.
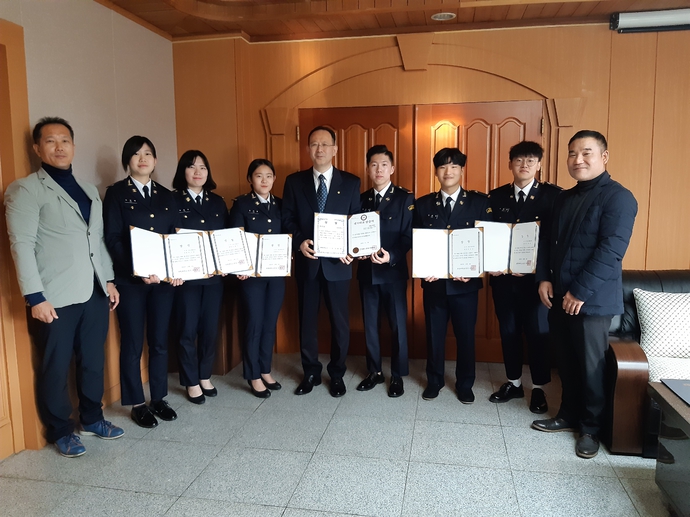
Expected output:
(588, 259)
(538, 207)
(254, 216)
(429, 212)
(55, 252)
(395, 212)
(123, 207)
(299, 206)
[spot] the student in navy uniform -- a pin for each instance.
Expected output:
(383, 275)
(259, 212)
(321, 188)
(145, 303)
(451, 208)
(516, 296)
(198, 302)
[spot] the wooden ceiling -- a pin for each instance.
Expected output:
(277, 20)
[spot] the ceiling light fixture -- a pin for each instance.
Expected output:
(442, 17)
(651, 21)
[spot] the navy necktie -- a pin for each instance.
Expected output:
(520, 201)
(321, 193)
(449, 208)
(378, 200)
(198, 200)
(147, 197)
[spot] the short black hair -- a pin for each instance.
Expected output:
(526, 149)
(379, 149)
(589, 133)
(188, 158)
(449, 155)
(321, 128)
(132, 146)
(258, 163)
(50, 120)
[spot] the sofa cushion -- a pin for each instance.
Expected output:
(668, 368)
(664, 323)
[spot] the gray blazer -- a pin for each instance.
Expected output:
(55, 252)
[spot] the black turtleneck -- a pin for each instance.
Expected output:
(66, 180)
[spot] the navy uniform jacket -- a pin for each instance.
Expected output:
(254, 216)
(430, 213)
(123, 207)
(588, 260)
(299, 206)
(395, 210)
(538, 207)
(211, 215)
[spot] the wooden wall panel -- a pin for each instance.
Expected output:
(668, 245)
(631, 118)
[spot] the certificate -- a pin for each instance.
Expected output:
(364, 236)
(430, 253)
(186, 256)
(208, 252)
(274, 255)
(330, 235)
(168, 256)
(510, 248)
(524, 247)
(465, 253)
(231, 251)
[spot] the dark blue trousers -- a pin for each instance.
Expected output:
(461, 309)
(581, 342)
(79, 331)
(197, 312)
(335, 294)
(519, 310)
(144, 309)
(392, 297)
(263, 298)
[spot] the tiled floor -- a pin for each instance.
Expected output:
(314, 456)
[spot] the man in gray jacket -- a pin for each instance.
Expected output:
(55, 225)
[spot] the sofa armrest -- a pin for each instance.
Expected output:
(628, 376)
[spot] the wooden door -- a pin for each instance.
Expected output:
(483, 131)
(357, 129)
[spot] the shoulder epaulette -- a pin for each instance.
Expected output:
(480, 193)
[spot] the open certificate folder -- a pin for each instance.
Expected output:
(337, 235)
(510, 248)
(447, 253)
(168, 256)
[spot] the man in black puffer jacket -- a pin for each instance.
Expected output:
(579, 271)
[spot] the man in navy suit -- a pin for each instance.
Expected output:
(383, 275)
(516, 299)
(451, 208)
(579, 270)
(324, 189)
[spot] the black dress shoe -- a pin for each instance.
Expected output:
(143, 417)
(431, 391)
(552, 425)
(587, 446)
(272, 385)
(538, 403)
(260, 394)
(307, 384)
(396, 387)
(163, 410)
(209, 393)
(196, 400)
(507, 392)
(370, 381)
(337, 387)
(466, 396)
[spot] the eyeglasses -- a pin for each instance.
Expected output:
(529, 161)
(315, 145)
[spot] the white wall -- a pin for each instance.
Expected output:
(109, 77)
